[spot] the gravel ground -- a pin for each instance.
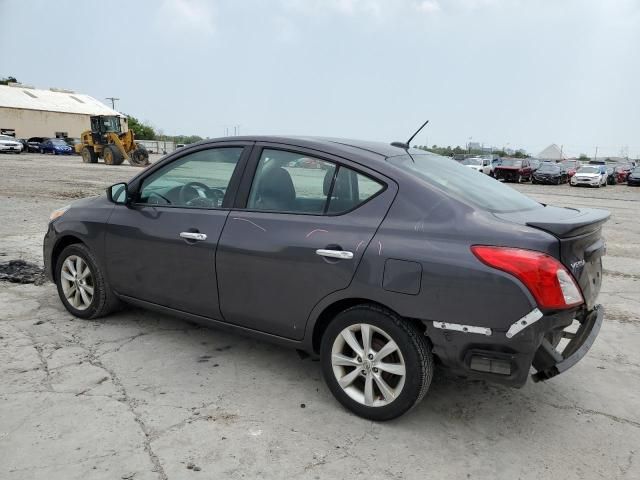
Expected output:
(144, 396)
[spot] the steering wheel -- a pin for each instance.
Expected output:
(189, 194)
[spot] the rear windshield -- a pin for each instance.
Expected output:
(464, 183)
(589, 170)
(510, 162)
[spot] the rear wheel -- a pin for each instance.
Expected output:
(375, 364)
(112, 156)
(88, 155)
(81, 284)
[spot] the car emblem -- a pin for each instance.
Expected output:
(575, 266)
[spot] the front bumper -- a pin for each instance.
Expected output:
(47, 251)
(590, 182)
(546, 179)
(507, 357)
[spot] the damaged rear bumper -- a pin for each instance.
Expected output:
(550, 362)
(536, 340)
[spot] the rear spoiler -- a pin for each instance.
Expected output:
(561, 222)
(583, 221)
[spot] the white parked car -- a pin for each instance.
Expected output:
(482, 165)
(9, 144)
(590, 176)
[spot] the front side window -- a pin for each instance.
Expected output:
(296, 183)
(197, 180)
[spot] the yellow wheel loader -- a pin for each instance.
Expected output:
(107, 140)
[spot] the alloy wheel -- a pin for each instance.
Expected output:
(368, 365)
(77, 282)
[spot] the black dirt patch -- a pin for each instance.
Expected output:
(19, 271)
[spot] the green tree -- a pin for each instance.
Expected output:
(141, 130)
(8, 80)
(583, 156)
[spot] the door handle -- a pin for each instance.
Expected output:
(193, 236)
(341, 254)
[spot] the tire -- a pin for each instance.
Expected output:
(519, 179)
(101, 302)
(89, 155)
(139, 157)
(111, 155)
(413, 352)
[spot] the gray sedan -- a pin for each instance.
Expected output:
(380, 259)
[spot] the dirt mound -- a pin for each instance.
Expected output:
(19, 271)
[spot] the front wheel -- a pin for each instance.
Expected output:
(376, 364)
(82, 287)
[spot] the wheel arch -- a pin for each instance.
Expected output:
(60, 245)
(330, 311)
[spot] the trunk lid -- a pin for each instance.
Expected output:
(579, 232)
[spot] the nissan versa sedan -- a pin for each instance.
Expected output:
(383, 262)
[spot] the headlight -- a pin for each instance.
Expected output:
(58, 213)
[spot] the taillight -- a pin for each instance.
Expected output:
(547, 279)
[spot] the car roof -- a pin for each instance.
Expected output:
(374, 151)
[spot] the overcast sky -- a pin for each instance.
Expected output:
(518, 72)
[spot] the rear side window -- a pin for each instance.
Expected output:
(464, 183)
(351, 189)
(291, 182)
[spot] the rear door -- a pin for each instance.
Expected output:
(298, 234)
(161, 249)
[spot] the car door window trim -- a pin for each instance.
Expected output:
(251, 168)
(232, 187)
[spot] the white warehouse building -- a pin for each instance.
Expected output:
(29, 112)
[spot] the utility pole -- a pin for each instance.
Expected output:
(561, 149)
(596, 155)
(113, 101)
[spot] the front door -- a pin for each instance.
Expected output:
(162, 248)
(305, 227)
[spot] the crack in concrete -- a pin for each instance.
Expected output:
(129, 402)
(588, 411)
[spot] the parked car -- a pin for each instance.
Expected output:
(622, 172)
(633, 179)
(572, 166)
(24, 144)
(350, 264)
(590, 176)
(535, 164)
(56, 146)
(482, 165)
(9, 144)
(611, 176)
(34, 144)
(513, 170)
(72, 142)
(551, 173)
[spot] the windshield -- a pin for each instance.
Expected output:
(569, 163)
(464, 183)
(589, 170)
(472, 161)
(58, 141)
(7, 137)
(511, 162)
(549, 167)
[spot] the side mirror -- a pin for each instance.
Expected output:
(118, 193)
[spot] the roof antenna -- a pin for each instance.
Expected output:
(406, 145)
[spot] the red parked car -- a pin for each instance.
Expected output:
(572, 166)
(513, 170)
(622, 172)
